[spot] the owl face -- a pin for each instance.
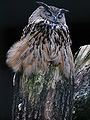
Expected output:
(50, 15)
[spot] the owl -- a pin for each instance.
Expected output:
(43, 56)
(45, 42)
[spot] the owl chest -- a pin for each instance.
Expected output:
(56, 51)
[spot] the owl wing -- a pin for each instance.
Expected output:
(27, 54)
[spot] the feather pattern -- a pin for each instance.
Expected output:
(44, 89)
(41, 47)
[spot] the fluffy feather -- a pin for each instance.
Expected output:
(43, 43)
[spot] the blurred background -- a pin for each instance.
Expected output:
(13, 18)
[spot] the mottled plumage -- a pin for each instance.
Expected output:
(44, 89)
(45, 41)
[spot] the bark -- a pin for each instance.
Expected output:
(50, 96)
(46, 96)
(82, 72)
(82, 84)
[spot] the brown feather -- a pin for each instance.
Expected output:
(40, 48)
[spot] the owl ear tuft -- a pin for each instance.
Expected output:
(43, 4)
(64, 10)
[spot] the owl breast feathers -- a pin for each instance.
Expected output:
(45, 41)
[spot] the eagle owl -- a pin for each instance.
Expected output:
(44, 50)
(45, 41)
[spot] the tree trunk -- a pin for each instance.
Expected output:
(82, 84)
(50, 96)
(46, 96)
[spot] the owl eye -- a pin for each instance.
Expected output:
(60, 16)
(49, 13)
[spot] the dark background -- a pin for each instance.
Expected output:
(13, 18)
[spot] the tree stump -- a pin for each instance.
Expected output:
(42, 96)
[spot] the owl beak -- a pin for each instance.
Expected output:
(54, 19)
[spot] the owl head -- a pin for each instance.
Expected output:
(50, 15)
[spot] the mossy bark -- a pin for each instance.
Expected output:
(46, 96)
(50, 96)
